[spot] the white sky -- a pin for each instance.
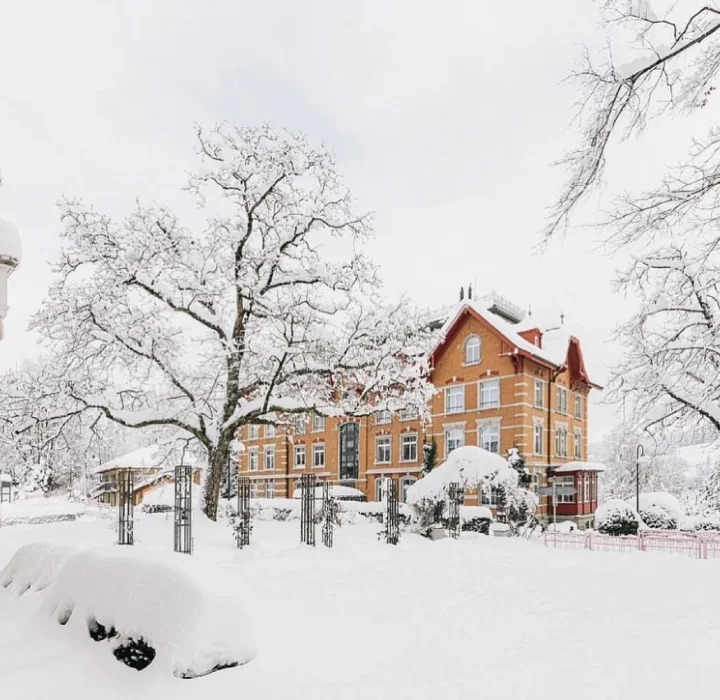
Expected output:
(445, 118)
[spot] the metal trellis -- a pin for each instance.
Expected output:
(454, 498)
(307, 509)
(126, 488)
(328, 516)
(244, 524)
(183, 509)
(392, 514)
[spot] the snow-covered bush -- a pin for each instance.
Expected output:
(666, 501)
(476, 519)
(657, 518)
(615, 517)
(709, 522)
(34, 566)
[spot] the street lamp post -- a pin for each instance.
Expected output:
(640, 453)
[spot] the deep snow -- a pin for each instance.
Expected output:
(477, 617)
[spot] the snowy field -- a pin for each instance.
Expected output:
(478, 617)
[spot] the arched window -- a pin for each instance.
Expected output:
(472, 350)
(405, 483)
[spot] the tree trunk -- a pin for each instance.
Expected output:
(217, 462)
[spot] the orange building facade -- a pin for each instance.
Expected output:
(500, 382)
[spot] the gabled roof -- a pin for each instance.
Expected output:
(152, 456)
(559, 349)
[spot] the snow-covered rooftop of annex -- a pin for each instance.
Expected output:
(5, 479)
(577, 466)
(151, 456)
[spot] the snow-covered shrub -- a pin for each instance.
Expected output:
(476, 519)
(657, 518)
(709, 522)
(188, 615)
(518, 506)
(426, 513)
(615, 517)
(34, 566)
(659, 499)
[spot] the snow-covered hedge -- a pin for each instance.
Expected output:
(615, 517)
(660, 510)
(149, 606)
(657, 518)
(709, 522)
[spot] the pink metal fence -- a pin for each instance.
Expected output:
(696, 545)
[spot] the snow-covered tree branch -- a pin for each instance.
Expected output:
(268, 309)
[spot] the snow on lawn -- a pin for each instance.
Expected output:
(38, 508)
(477, 617)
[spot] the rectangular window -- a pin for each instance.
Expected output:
(253, 432)
(489, 437)
(382, 449)
(489, 394)
(299, 423)
(253, 489)
(490, 495)
(269, 489)
(578, 406)
(269, 455)
(409, 413)
(454, 438)
(408, 448)
(299, 456)
(586, 488)
(538, 395)
(269, 431)
(318, 455)
(538, 438)
(565, 481)
(383, 417)
(455, 399)
(253, 459)
(318, 424)
(578, 444)
(561, 400)
(561, 441)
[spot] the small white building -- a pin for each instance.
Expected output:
(10, 256)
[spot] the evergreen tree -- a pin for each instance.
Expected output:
(710, 497)
(429, 456)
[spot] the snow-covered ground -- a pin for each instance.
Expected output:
(478, 617)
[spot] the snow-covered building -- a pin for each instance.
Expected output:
(502, 381)
(152, 466)
(10, 255)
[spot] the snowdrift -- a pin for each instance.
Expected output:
(150, 607)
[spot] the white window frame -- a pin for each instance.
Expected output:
(268, 450)
(269, 488)
(300, 424)
(491, 499)
(253, 489)
(270, 431)
(474, 342)
(405, 483)
(253, 431)
(577, 447)
(538, 393)
(482, 426)
(410, 438)
(383, 417)
(459, 432)
(561, 398)
(565, 481)
(538, 432)
(586, 488)
(318, 448)
(318, 423)
(300, 450)
(578, 406)
(483, 385)
(253, 452)
(561, 442)
(410, 412)
(457, 407)
(386, 442)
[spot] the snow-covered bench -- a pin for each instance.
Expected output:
(150, 607)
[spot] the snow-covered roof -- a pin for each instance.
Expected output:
(577, 466)
(157, 455)
(10, 246)
(337, 491)
(5, 479)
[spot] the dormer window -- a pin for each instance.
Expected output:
(472, 350)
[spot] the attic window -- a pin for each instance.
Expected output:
(472, 350)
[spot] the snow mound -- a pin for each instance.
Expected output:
(34, 566)
(615, 517)
(469, 466)
(665, 501)
(188, 616)
(475, 512)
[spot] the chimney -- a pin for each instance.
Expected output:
(562, 318)
(470, 292)
(462, 293)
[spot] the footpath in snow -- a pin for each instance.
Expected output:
(477, 617)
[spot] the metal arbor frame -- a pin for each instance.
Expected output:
(244, 526)
(126, 488)
(454, 498)
(392, 514)
(307, 509)
(183, 509)
(328, 516)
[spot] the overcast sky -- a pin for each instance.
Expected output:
(445, 118)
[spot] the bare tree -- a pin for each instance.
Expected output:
(267, 309)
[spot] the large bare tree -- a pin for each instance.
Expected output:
(267, 308)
